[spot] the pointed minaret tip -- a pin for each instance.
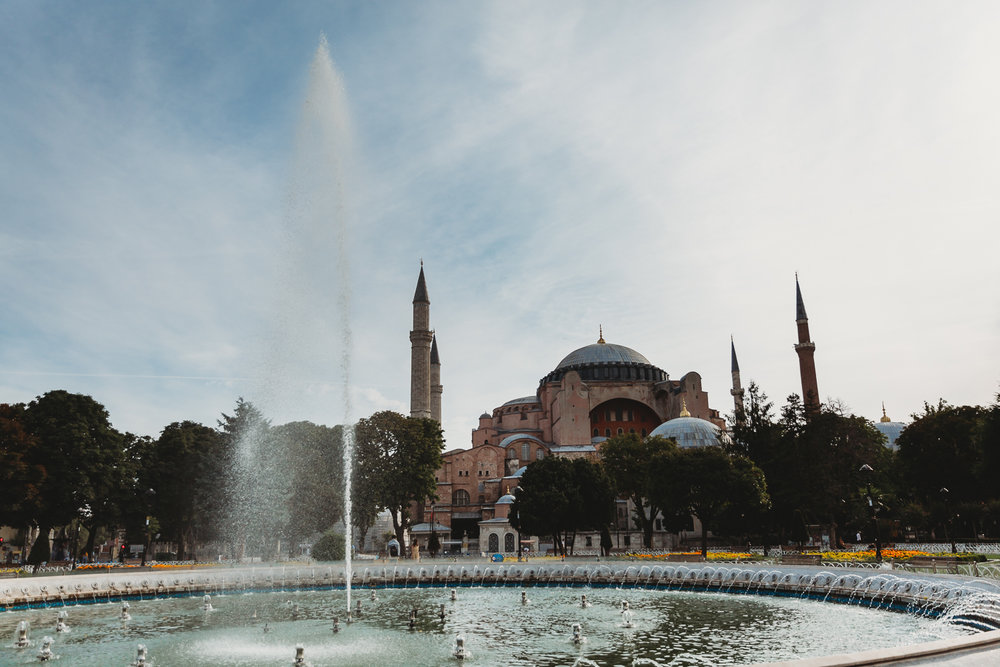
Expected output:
(435, 359)
(735, 364)
(800, 308)
(420, 295)
(600, 334)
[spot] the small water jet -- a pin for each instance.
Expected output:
(578, 637)
(583, 602)
(125, 616)
(626, 615)
(207, 603)
(61, 625)
(460, 651)
(454, 595)
(524, 598)
(22, 640)
(140, 657)
(336, 625)
(300, 656)
(45, 653)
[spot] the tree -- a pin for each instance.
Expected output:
(316, 457)
(174, 471)
(559, 497)
(626, 460)
(20, 480)
(543, 502)
(943, 448)
(397, 459)
(246, 477)
(329, 547)
(708, 483)
(83, 458)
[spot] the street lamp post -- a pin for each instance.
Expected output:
(949, 529)
(149, 494)
(868, 470)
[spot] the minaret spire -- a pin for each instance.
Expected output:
(737, 390)
(436, 388)
(421, 338)
(805, 349)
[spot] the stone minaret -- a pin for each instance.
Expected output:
(420, 351)
(805, 349)
(737, 390)
(436, 388)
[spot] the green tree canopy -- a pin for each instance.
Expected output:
(84, 461)
(626, 459)
(707, 482)
(396, 461)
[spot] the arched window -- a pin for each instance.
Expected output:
(597, 432)
(539, 454)
(525, 451)
(511, 453)
(494, 544)
(460, 497)
(621, 431)
(607, 432)
(508, 542)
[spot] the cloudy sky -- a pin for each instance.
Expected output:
(659, 168)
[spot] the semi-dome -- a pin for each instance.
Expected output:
(690, 432)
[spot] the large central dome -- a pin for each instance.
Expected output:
(606, 361)
(602, 353)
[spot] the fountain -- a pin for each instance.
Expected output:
(45, 653)
(460, 652)
(21, 640)
(61, 625)
(678, 602)
(578, 637)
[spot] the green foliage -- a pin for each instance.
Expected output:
(559, 496)
(625, 459)
(396, 460)
(329, 547)
(707, 482)
(84, 462)
(171, 487)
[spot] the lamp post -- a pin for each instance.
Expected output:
(868, 470)
(949, 529)
(149, 495)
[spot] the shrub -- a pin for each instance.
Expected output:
(329, 547)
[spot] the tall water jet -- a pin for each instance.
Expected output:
(304, 368)
(323, 153)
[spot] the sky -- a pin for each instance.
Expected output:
(658, 169)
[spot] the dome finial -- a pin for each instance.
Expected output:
(600, 335)
(684, 408)
(885, 417)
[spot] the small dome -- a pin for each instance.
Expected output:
(506, 499)
(891, 431)
(690, 432)
(485, 415)
(602, 353)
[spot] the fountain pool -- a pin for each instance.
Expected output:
(264, 628)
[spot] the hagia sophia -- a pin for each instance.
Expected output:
(595, 392)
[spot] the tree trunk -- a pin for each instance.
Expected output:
(704, 538)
